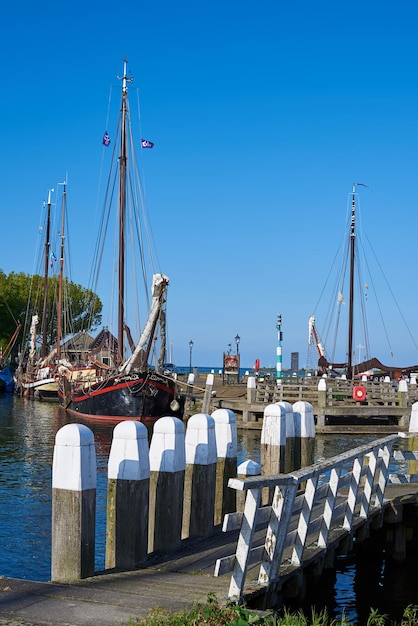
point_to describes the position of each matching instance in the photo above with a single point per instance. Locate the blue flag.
(106, 139)
(146, 144)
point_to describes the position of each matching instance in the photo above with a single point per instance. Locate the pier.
(384, 403)
(260, 546)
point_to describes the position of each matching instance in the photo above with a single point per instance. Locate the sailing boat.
(369, 366)
(119, 386)
(40, 378)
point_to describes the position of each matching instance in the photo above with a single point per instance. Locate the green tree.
(22, 295)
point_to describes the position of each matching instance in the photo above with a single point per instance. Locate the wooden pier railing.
(312, 511)
(331, 398)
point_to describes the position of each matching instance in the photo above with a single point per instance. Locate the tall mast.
(351, 302)
(47, 247)
(122, 210)
(59, 305)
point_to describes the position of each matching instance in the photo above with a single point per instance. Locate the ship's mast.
(122, 211)
(46, 261)
(61, 274)
(351, 301)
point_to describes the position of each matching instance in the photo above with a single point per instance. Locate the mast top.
(125, 78)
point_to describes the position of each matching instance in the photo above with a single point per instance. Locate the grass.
(213, 614)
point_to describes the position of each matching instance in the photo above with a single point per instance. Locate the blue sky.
(263, 115)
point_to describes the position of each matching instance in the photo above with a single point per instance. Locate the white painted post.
(289, 456)
(403, 394)
(304, 432)
(167, 469)
(208, 393)
(247, 415)
(127, 496)
(322, 401)
(73, 504)
(245, 469)
(226, 468)
(413, 422)
(200, 478)
(273, 444)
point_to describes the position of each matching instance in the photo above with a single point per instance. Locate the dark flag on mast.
(106, 139)
(146, 144)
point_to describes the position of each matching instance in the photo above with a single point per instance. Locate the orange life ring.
(359, 393)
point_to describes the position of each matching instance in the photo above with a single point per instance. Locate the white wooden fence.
(311, 507)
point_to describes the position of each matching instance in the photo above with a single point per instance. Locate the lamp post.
(191, 348)
(237, 340)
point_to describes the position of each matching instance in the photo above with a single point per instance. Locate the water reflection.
(27, 435)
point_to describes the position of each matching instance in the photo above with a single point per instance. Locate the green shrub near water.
(213, 614)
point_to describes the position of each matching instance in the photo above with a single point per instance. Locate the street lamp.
(191, 348)
(237, 339)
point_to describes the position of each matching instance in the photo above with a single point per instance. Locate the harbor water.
(27, 435)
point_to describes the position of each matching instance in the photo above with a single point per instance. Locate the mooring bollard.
(127, 496)
(208, 393)
(304, 434)
(403, 394)
(413, 421)
(226, 451)
(73, 504)
(167, 469)
(245, 469)
(247, 415)
(200, 478)
(289, 456)
(322, 401)
(273, 445)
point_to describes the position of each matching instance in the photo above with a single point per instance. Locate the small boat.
(351, 367)
(7, 383)
(7, 378)
(129, 382)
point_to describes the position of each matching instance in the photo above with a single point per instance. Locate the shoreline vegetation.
(214, 614)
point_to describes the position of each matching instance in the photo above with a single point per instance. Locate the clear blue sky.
(263, 114)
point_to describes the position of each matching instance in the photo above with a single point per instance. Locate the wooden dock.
(284, 528)
(262, 553)
(334, 407)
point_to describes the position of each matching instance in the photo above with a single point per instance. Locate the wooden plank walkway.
(174, 583)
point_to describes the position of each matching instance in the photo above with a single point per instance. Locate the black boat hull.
(144, 397)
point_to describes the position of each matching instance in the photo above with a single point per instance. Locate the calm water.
(27, 434)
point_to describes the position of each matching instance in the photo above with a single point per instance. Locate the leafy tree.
(22, 296)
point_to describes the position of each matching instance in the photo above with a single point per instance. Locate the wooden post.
(289, 456)
(403, 394)
(322, 401)
(273, 444)
(190, 399)
(128, 496)
(200, 478)
(245, 469)
(73, 504)
(247, 415)
(208, 394)
(167, 469)
(304, 432)
(413, 422)
(226, 451)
